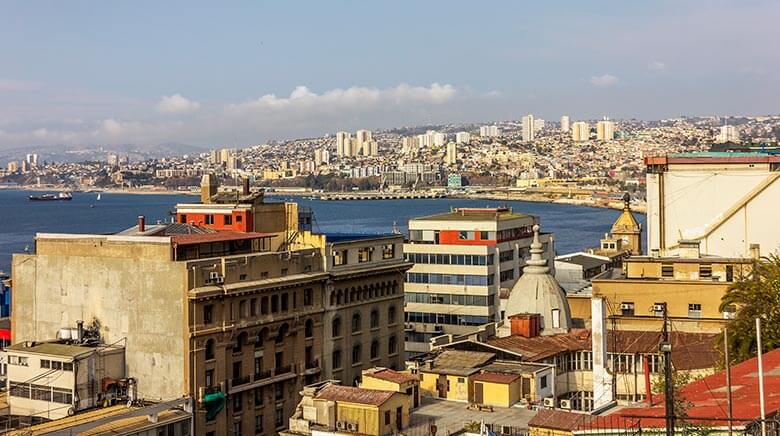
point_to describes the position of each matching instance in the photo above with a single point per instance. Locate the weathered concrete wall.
(134, 290)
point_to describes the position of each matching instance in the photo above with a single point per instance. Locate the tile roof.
(559, 420)
(493, 377)
(391, 376)
(457, 362)
(349, 394)
(689, 350)
(709, 399)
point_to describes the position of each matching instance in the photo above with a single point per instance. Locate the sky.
(242, 73)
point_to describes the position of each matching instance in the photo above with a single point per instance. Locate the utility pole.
(761, 377)
(666, 348)
(728, 375)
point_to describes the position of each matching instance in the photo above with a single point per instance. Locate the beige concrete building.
(221, 315)
(726, 200)
(462, 259)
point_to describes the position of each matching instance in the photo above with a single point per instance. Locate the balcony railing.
(282, 370)
(313, 364)
(262, 375)
(238, 381)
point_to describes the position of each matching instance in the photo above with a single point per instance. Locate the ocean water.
(575, 227)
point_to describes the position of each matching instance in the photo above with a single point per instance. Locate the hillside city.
(594, 161)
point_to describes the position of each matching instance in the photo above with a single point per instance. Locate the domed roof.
(538, 292)
(626, 221)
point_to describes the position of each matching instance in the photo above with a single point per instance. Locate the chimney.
(602, 379)
(80, 324)
(527, 325)
(245, 186)
(141, 223)
(755, 251)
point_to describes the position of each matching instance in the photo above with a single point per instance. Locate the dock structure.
(379, 196)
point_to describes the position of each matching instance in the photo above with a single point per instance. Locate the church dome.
(536, 291)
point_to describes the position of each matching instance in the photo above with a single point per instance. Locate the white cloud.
(176, 104)
(604, 80)
(657, 66)
(354, 97)
(11, 85)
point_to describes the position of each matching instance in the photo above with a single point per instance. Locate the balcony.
(312, 367)
(238, 381)
(282, 370)
(262, 375)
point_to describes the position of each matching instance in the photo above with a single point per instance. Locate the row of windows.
(506, 256)
(463, 300)
(362, 293)
(41, 392)
(209, 219)
(18, 360)
(450, 279)
(249, 308)
(448, 318)
(450, 259)
(55, 364)
(515, 233)
(628, 308)
(341, 257)
(357, 324)
(618, 363)
(508, 274)
(357, 352)
(705, 271)
(242, 340)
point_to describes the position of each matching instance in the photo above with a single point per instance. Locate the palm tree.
(756, 295)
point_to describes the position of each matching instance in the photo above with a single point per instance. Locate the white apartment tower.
(462, 259)
(362, 143)
(728, 134)
(462, 137)
(605, 130)
(489, 131)
(343, 144)
(452, 154)
(565, 124)
(528, 128)
(580, 131)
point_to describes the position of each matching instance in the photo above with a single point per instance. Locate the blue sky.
(194, 72)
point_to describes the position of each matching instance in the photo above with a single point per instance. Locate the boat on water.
(98, 197)
(62, 196)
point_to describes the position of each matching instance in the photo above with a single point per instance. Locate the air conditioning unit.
(549, 402)
(214, 277)
(352, 426)
(341, 425)
(408, 326)
(729, 315)
(565, 404)
(658, 308)
(626, 306)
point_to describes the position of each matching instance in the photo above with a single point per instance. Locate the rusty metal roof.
(349, 394)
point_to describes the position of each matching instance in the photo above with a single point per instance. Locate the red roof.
(5, 334)
(559, 420)
(709, 399)
(492, 377)
(391, 376)
(349, 394)
(200, 238)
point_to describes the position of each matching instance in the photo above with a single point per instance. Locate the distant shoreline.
(615, 205)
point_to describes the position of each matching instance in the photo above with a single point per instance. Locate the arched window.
(336, 359)
(392, 345)
(260, 341)
(241, 340)
(308, 329)
(336, 327)
(357, 352)
(282, 332)
(210, 345)
(391, 315)
(374, 349)
(355, 322)
(374, 319)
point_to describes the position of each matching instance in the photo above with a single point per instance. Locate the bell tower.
(627, 229)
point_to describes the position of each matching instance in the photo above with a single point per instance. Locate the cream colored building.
(462, 259)
(580, 131)
(728, 201)
(605, 130)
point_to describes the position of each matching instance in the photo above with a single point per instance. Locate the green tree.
(755, 295)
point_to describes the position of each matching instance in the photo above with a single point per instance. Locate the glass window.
(388, 251)
(209, 219)
(357, 354)
(336, 327)
(228, 220)
(355, 323)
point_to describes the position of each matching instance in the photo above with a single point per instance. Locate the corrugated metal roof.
(391, 376)
(492, 377)
(559, 420)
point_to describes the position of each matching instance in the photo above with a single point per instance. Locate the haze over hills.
(92, 152)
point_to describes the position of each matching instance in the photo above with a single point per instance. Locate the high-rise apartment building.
(32, 159)
(528, 128)
(237, 305)
(728, 134)
(321, 156)
(363, 140)
(580, 131)
(462, 259)
(565, 124)
(538, 124)
(343, 144)
(462, 138)
(605, 130)
(410, 144)
(452, 154)
(489, 131)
